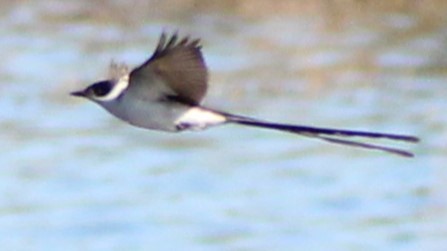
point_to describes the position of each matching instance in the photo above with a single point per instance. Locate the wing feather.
(179, 64)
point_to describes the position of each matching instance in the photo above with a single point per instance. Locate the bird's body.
(157, 116)
(165, 92)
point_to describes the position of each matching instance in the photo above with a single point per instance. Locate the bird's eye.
(102, 88)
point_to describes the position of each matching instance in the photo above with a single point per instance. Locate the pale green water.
(74, 178)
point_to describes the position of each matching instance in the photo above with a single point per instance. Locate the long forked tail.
(329, 134)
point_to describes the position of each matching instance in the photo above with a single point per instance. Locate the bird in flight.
(165, 93)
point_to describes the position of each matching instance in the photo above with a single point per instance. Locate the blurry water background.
(72, 177)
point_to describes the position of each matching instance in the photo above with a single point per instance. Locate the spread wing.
(179, 65)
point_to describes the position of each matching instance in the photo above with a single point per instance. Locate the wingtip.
(170, 40)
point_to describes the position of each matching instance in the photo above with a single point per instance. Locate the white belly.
(151, 115)
(163, 115)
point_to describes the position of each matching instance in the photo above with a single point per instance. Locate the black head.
(101, 89)
(96, 90)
